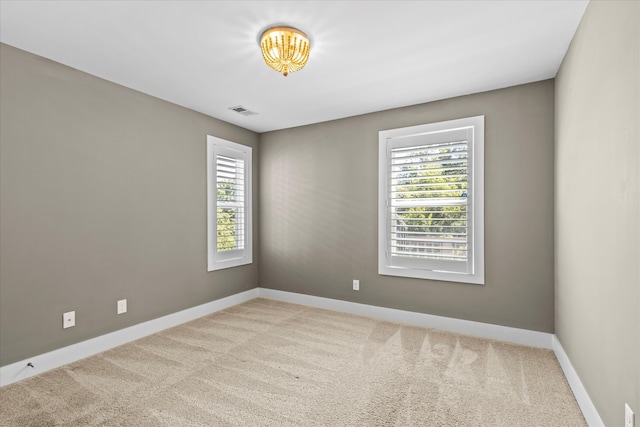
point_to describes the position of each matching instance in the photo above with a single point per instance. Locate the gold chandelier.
(285, 49)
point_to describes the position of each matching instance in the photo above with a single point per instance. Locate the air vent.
(241, 110)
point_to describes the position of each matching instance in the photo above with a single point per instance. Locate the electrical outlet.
(356, 285)
(122, 306)
(629, 420)
(68, 319)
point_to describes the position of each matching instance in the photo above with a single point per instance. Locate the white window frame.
(409, 136)
(218, 260)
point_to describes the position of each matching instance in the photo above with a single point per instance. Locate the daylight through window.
(229, 204)
(431, 201)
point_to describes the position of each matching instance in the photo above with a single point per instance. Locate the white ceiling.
(365, 55)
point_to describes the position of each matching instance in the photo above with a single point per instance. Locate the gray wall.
(318, 201)
(103, 197)
(597, 208)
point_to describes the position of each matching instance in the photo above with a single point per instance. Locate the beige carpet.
(271, 363)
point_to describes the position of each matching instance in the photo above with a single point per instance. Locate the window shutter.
(431, 201)
(229, 216)
(230, 203)
(428, 198)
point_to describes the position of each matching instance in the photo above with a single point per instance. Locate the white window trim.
(219, 260)
(476, 276)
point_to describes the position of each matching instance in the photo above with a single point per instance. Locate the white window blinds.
(230, 208)
(430, 192)
(229, 233)
(428, 205)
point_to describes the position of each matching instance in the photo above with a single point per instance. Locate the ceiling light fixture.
(285, 49)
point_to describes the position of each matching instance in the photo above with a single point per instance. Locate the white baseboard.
(44, 362)
(584, 401)
(467, 327)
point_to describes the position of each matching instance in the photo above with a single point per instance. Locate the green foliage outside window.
(227, 217)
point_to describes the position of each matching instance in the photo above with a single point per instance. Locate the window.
(229, 237)
(431, 214)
